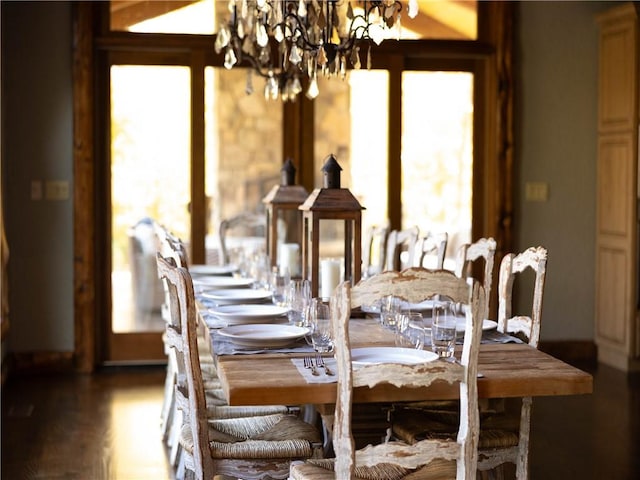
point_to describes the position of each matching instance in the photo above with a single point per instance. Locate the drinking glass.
(298, 299)
(259, 270)
(320, 325)
(409, 330)
(389, 310)
(278, 283)
(443, 329)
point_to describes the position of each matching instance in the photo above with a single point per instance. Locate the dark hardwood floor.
(106, 426)
(85, 427)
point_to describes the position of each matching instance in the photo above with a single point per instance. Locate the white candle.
(329, 276)
(288, 257)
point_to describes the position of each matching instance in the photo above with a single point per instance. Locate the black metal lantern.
(331, 203)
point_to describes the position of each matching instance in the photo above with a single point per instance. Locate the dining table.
(507, 368)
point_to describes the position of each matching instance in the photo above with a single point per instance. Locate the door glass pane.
(150, 179)
(437, 153)
(351, 122)
(243, 151)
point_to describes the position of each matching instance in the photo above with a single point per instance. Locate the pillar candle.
(289, 257)
(329, 276)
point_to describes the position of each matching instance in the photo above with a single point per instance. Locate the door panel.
(150, 181)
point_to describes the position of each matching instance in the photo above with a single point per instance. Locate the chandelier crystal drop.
(288, 41)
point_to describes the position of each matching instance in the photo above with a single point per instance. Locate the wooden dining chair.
(171, 417)
(431, 248)
(170, 246)
(253, 447)
(374, 249)
(504, 437)
(401, 247)
(429, 457)
(248, 222)
(483, 249)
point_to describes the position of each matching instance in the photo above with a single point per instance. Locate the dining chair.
(504, 437)
(253, 447)
(248, 221)
(171, 417)
(483, 249)
(374, 249)
(431, 249)
(430, 457)
(401, 247)
(168, 245)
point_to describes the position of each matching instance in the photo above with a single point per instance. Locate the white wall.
(556, 144)
(37, 145)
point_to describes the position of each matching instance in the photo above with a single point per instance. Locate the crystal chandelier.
(306, 38)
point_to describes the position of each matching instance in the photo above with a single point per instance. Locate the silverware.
(321, 364)
(308, 363)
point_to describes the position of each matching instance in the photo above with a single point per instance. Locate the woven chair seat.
(322, 469)
(497, 430)
(209, 371)
(264, 437)
(226, 411)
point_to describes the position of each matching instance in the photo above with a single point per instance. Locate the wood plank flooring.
(85, 427)
(106, 426)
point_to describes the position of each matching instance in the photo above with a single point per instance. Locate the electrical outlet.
(56, 189)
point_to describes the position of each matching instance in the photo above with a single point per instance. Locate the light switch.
(537, 191)
(56, 189)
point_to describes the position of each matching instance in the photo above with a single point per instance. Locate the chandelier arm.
(303, 32)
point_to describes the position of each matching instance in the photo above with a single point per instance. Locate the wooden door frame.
(494, 182)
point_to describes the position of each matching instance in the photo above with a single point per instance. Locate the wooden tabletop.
(508, 370)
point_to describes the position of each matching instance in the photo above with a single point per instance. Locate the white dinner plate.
(202, 269)
(256, 313)
(461, 325)
(229, 296)
(263, 335)
(405, 356)
(425, 306)
(216, 283)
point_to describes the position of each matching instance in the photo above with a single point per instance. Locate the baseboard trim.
(574, 352)
(41, 362)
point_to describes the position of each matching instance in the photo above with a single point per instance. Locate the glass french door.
(437, 155)
(150, 153)
(427, 181)
(176, 147)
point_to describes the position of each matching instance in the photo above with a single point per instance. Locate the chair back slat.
(374, 249)
(412, 285)
(535, 259)
(401, 247)
(469, 253)
(431, 250)
(247, 220)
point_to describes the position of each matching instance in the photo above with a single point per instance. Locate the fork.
(308, 363)
(321, 364)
